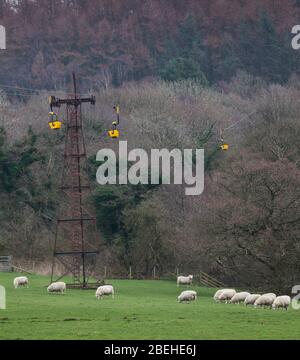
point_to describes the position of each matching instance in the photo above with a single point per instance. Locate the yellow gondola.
(224, 147)
(114, 133)
(54, 123)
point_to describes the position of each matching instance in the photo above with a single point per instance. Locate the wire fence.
(132, 273)
(199, 277)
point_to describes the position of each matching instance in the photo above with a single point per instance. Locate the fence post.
(154, 272)
(177, 272)
(105, 272)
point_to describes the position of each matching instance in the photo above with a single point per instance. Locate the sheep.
(188, 295)
(265, 300)
(21, 281)
(238, 297)
(226, 295)
(57, 287)
(185, 280)
(250, 299)
(281, 302)
(105, 290)
(217, 294)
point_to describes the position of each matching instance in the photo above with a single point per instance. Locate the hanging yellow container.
(114, 133)
(54, 123)
(225, 147)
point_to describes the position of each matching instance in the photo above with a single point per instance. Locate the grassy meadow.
(140, 310)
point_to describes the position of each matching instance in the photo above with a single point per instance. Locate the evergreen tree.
(183, 68)
(270, 52)
(257, 49)
(184, 50)
(15, 161)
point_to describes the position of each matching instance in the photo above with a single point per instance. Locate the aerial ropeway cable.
(224, 145)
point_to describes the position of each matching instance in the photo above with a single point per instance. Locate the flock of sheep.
(223, 295)
(266, 300)
(61, 286)
(233, 297)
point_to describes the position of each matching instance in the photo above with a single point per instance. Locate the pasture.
(141, 310)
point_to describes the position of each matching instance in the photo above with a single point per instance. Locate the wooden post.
(105, 272)
(154, 272)
(177, 272)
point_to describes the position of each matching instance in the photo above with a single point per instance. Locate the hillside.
(152, 146)
(113, 41)
(244, 228)
(186, 74)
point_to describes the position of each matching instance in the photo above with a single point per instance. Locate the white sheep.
(281, 302)
(57, 287)
(265, 300)
(105, 290)
(188, 295)
(239, 297)
(21, 281)
(250, 299)
(217, 294)
(226, 295)
(184, 280)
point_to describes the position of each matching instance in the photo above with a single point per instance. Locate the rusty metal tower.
(75, 224)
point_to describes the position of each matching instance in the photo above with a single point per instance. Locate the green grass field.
(140, 310)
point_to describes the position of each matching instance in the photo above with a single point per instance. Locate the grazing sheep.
(184, 280)
(265, 300)
(250, 299)
(226, 295)
(239, 297)
(105, 290)
(57, 287)
(188, 295)
(217, 294)
(281, 302)
(21, 281)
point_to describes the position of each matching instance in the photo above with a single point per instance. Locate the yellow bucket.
(54, 125)
(224, 147)
(114, 133)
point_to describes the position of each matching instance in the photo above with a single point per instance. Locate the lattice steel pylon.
(75, 223)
